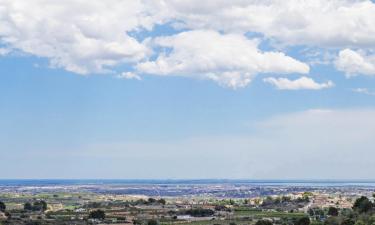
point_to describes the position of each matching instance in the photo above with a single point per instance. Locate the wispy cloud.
(302, 83)
(129, 76)
(318, 143)
(363, 91)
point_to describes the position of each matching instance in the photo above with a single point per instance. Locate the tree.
(151, 200)
(40, 206)
(162, 201)
(362, 205)
(27, 206)
(332, 221)
(152, 222)
(303, 221)
(97, 214)
(263, 222)
(285, 199)
(267, 201)
(347, 222)
(333, 211)
(2, 206)
(360, 222)
(200, 212)
(8, 215)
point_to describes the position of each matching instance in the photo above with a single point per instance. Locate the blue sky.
(164, 105)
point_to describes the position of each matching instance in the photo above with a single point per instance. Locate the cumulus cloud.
(298, 84)
(332, 23)
(231, 60)
(355, 62)
(79, 36)
(96, 36)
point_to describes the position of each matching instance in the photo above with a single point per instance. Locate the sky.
(172, 89)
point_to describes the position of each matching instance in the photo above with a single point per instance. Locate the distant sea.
(303, 183)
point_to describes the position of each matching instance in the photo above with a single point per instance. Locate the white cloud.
(298, 84)
(129, 75)
(355, 62)
(80, 36)
(4, 51)
(231, 60)
(363, 91)
(328, 23)
(96, 36)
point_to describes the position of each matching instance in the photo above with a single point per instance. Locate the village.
(92, 208)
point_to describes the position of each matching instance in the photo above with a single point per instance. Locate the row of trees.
(35, 206)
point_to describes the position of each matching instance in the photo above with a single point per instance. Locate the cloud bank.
(209, 40)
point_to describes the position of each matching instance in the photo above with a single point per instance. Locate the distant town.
(190, 202)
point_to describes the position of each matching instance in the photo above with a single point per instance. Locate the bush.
(303, 221)
(363, 205)
(200, 212)
(263, 222)
(97, 214)
(152, 222)
(2, 206)
(332, 211)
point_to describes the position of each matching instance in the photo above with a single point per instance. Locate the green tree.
(363, 205)
(27, 206)
(162, 201)
(151, 200)
(152, 222)
(40, 206)
(200, 212)
(360, 222)
(303, 221)
(2, 206)
(347, 222)
(333, 211)
(97, 214)
(332, 221)
(263, 222)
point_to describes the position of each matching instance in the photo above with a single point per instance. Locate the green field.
(211, 222)
(261, 214)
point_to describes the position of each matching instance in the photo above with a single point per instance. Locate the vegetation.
(2, 206)
(200, 212)
(97, 214)
(36, 206)
(363, 205)
(303, 221)
(152, 222)
(333, 211)
(263, 222)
